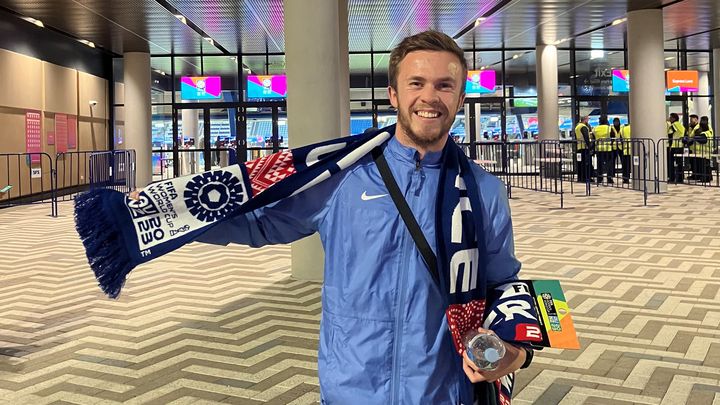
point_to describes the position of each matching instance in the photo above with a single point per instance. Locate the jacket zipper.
(401, 304)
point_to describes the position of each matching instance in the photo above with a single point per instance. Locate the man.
(384, 337)
(582, 138)
(604, 147)
(626, 152)
(689, 142)
(675, 164)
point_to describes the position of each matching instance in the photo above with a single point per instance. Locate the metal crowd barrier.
(531, 165)
(688, 162)
(113, 170)
(27, 178)
(556, 166)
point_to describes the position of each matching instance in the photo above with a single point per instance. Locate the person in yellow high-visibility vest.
(615, 136)
(676, 133)
(702, 145)
(584, 142)
(626, 152)
(604, 148)
(689, 142)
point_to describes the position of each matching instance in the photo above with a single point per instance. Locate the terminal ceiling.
(256, 26)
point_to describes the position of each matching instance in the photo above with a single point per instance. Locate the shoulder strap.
(406, 214)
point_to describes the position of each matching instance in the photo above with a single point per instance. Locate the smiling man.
(385, 335)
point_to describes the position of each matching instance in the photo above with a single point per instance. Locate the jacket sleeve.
(285, 221)
(501, 263)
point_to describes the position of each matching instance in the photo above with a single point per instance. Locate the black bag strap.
(406, 214)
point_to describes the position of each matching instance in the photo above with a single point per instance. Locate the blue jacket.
(384, 338)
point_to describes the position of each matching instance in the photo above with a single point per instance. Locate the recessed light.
(517, 55)
(670, 58)
(86, 42)
(34, 21)
(479, 20)
(619, 21)
(181, 18)
(210, 40)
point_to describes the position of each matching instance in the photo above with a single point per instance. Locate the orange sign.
(682, 80)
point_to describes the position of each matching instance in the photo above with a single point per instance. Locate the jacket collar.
(410, 155)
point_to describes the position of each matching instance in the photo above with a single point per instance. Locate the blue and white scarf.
(120, 233)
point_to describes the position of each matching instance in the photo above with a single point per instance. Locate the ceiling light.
(560, 41)
(597, 53)
(34, 21)
(210, 40)
(88, 43)
(670, 58)
(181, 18)
(666, 69)
(233, 58)
(517, 55)
(479, 20)
(619, 21)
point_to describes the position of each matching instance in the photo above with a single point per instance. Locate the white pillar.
(190, 131)
(702, 104)
(716, 88)
(138, 114)
(547, 91)
(647, 82)
(318, 105)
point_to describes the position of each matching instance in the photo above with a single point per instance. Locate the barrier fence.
(689, 161)
(550, 166)
(26, 178)
(33, 178)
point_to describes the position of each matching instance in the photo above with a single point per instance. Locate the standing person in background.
(702, 146)
(615, 136)
(604, 147)
(625, 152)
(582, 138)
(676, 132)
(689, 142)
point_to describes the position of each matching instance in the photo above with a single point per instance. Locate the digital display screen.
(200, 88)
(266, 86)
(682, 80)
(620, 81)
(480, 82)
(525, 102)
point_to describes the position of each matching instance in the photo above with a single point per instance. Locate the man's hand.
(512, 361)
(134, 195)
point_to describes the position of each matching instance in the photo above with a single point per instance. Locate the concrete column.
(318, 104)
(190, 130)
(702, 104)
(716, 88)
(138, 113)
(647, 91)
(547, 91)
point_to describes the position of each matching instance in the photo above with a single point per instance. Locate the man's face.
(693, 121)
(429, 93)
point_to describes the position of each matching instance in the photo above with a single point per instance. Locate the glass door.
(479, 122)
(266, 130)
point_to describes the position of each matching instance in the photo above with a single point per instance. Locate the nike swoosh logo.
(366, 197)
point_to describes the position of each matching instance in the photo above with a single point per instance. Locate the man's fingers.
(135, 195)
(471, 374)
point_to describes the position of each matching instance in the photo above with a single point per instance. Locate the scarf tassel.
(104, 245)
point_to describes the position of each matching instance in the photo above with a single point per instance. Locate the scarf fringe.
(102, 238)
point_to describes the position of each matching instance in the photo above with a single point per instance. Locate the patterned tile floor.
(227, 325)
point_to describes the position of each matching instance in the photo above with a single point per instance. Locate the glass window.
(594, 70)
(520, 74)
(481, 64)
(360, 86)
(382, 61)
(521, 122)
(223, 86)
(161, 82)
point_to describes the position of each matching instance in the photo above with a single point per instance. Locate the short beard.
(404, 121)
